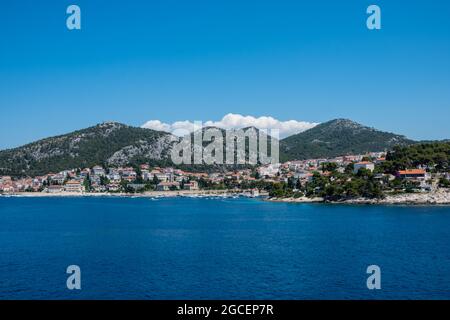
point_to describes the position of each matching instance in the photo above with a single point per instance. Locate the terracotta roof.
(72, 182)
(168, 184)
(412, 171)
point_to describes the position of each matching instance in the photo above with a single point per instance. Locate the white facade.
(363, 165)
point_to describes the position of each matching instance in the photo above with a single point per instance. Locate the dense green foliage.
(334, 187)
(95, 145)
(435, 155)
(79, 149)
(337, 138)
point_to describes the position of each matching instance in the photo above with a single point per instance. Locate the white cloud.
(233, 121)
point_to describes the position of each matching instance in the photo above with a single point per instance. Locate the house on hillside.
(412, 174)
(98, 171)
(363, 165)
(58, 178)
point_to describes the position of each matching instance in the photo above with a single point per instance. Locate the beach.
(149, 194)
(439, 197)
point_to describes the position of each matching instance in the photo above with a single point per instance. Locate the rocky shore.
(439, 197)
(297, 200)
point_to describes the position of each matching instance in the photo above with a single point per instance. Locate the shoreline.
(148, 194)
(440, 197)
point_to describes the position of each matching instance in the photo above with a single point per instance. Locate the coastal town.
(352, 178)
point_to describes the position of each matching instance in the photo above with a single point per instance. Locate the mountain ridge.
(117, 144)
(113, 143)
(339, 137)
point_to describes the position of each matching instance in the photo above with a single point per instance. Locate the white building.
(73, 186)
(270, 170)
(166, 186)
(364, 165)
(114, 177)
(98, 171)
(55, 189)
(193, 185)
(163, 177)
(113, 187)
(58, 178)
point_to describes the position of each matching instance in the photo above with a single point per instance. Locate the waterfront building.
(412, 174)
(166, 186)
(73, 186)
(55, 189)
(113, 187)
(193, 185)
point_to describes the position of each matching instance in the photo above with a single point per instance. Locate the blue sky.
(135, 61)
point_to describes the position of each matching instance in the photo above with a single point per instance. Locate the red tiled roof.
(73, 183)
(412, 171)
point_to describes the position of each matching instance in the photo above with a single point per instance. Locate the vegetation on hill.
(336, 138)
(108, 143)
(115, 144)
(434, 155)
(333, 187)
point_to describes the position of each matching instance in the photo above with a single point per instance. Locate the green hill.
(107, 143)
(336, 138)
(116, 144)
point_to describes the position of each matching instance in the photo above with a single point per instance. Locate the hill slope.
(336, 138)
(110, 142)
(116, 144)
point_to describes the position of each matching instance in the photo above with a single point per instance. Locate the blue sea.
(192, 248)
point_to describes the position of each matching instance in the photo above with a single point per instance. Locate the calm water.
(220, 249)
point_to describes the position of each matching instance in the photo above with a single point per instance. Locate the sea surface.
(192, 248)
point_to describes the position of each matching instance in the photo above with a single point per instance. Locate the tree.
(329, 166)
(290, 183)
(349, 168)
(104, 181)
(364, 173)
(87, 183)
(138, 179)
(444, 183)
